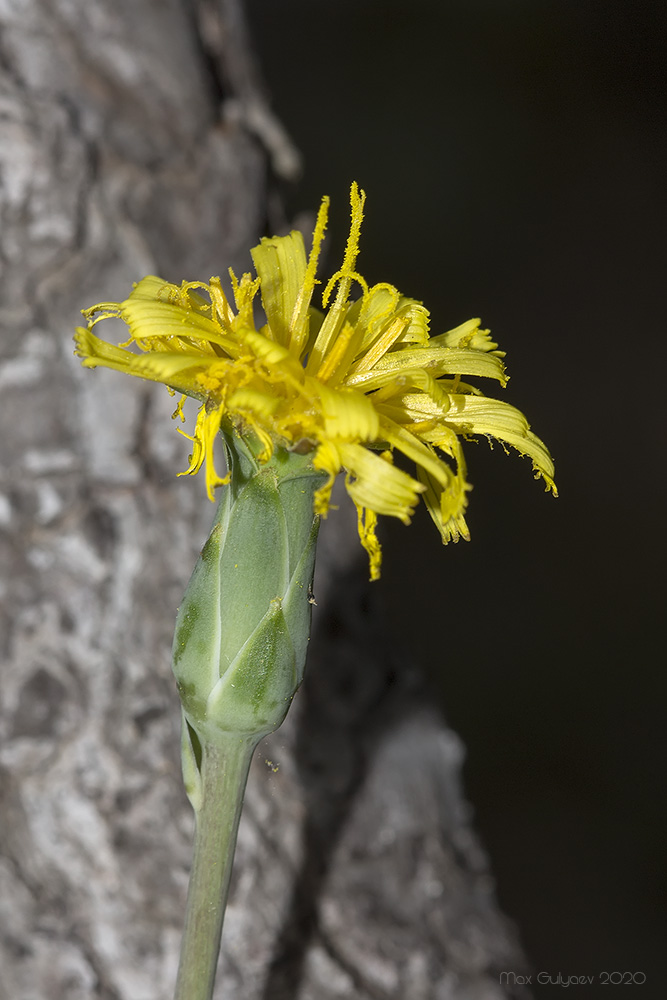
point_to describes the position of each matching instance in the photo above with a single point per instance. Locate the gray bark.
(135, 138)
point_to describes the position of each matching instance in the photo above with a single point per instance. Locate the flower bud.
(242, 628)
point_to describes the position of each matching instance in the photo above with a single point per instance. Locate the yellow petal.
(280, 263)
(506, 423)
(326, 459)
(417, 329)
(178, 371)
(491, 417)
(272, 355)
(244, 295)
(203, 441)
(446, 507)
(94, 351)
(259, 403)
(387, 339)
(374, 311)
(348, 415)
(468, 335)
(381, 306)
(377, 484)
(414, 449)
(156, 310)
(407, 381)
(437, 361)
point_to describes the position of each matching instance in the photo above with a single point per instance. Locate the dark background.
(513, 154)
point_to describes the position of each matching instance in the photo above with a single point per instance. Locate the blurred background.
(513, 153)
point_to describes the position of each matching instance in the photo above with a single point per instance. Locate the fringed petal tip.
(549, 484)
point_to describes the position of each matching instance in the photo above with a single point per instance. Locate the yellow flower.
(351, 384)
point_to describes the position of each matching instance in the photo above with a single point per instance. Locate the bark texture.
(134, 138)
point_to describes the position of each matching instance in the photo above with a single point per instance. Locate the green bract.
(242, 628)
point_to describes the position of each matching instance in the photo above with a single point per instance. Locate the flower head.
(352, 383)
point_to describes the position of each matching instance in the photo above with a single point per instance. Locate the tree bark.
(135, 138)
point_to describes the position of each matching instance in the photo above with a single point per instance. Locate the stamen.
(366, 524)
(381, 346)
(299, 321)
(336, 354)
(220, 304)
(178, 412)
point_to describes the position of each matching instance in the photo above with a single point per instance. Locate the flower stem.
(224, 772)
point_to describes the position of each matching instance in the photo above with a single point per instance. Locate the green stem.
(224, 772)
